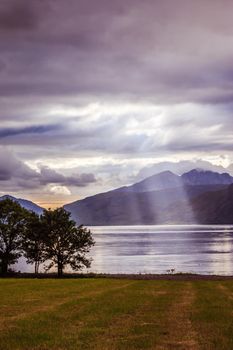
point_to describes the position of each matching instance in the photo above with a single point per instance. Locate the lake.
(156, 249)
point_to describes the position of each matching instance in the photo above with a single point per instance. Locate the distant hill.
(159, 199)
(25, 204)
(214, 207)
(132, 208)
(160, 181)
(167, 179)
(202, 177)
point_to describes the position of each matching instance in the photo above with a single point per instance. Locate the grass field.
(115, 314)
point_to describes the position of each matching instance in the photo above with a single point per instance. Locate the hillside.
(25, 204)
(214, 207)
(159, 199)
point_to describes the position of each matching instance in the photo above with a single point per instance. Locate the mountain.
(133, 208)
(214, 207)
(159, 199)
(25, 204)
(160, 181)
(201, 177)
(167, 179)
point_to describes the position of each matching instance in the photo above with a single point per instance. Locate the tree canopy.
(12, 225)
(66, 244)
(52, 238)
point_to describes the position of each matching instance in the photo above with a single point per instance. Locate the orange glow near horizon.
(50, 205)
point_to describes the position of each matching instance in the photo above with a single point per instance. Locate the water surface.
(156, 249)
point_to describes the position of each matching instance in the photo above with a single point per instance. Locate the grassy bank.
(115, 314)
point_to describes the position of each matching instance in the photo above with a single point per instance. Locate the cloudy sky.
(95, 94)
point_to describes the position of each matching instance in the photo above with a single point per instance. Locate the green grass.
(115, 314)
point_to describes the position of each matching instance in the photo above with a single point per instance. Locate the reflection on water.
(156, 249)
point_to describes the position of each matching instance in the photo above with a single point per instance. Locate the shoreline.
(159, 277)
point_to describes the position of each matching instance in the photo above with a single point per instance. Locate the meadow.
(105, 313)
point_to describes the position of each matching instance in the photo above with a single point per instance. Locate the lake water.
(157, 249)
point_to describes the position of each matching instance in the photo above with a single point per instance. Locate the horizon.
(96, 96)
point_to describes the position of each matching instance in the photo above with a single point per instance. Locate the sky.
(99, 94)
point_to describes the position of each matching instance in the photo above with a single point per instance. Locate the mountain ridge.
(135, 204)
(29, 205)
(168, 179)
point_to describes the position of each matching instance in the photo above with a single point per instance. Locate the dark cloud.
(17, 15)
(50, 176)
(166, 51)
(11, 166)
(16, 174)
(40, 129)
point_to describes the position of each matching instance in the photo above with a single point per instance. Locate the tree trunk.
(59, 269)
(37, 264)
(4, 267)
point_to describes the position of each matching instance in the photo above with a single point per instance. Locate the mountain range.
(198, 196)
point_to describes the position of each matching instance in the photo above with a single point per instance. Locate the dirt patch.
(227, 292)
(121, 328)
(179, 332)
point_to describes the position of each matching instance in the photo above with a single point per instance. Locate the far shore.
(168, 276)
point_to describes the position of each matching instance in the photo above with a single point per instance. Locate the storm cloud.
(166, 51)
(16, 176)
(93, 92)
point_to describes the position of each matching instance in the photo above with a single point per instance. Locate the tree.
(33, 243)
(12, 225)
(66, 244)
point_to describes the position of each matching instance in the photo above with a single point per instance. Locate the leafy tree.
(66, 244)
(12, 225)
(33, 243)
